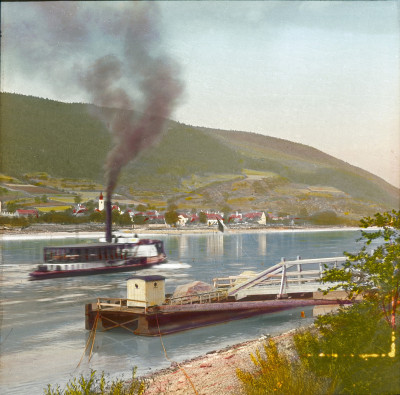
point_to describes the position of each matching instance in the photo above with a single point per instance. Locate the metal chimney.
(108, 220)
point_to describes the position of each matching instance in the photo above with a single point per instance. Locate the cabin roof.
(90, 245)
(153, 277)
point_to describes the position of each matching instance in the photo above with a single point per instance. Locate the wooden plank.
(116, 324)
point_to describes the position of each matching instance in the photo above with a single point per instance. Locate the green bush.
(351, 349)
(350, 352)
(94, 385)
(277, 374)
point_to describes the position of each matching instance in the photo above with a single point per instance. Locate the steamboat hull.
(139, 263)
(167, 319)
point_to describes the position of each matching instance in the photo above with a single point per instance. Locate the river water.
(43, 334)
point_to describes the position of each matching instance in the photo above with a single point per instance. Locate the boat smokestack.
(108, 220)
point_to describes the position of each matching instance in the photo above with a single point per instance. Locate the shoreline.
(55, 231)
(215, 371)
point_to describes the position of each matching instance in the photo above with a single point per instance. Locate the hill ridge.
(62, 139)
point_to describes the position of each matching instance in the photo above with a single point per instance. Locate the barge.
(99, 258)
(147, 312)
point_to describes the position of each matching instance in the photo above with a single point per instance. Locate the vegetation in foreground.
(346, 353)
(99, 386)
(276, 374)
(353, 351)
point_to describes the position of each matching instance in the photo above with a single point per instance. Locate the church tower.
(101, 202)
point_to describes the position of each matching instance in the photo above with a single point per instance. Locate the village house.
(79, 210)
(212, 218)
(182, 219)
(150, 217)
(235, 218)
(26, 213)
(255, 217)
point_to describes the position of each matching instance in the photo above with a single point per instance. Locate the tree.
(303, 213)
(226, 210)
(172, 207)
(98, 216)
(203, 218)
(328, 217)
(12, 206)
(90, 205)
(115, 216)
(376, 275)
(77, 199)
(125, 219)
(345, 339)
(141, 207)
(171, 217)
(139, 219)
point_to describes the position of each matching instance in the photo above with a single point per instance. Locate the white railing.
(206, 297)
(120, 303)
(300, 275)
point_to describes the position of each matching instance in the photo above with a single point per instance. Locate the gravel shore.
(213, 373)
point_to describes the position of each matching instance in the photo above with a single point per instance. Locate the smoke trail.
(110, 54)
(155, 75)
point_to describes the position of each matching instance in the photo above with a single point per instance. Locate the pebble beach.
(215, 372)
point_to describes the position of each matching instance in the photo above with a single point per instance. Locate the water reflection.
(215, 244)
(183, 245)
(239, 246)
(262, 244)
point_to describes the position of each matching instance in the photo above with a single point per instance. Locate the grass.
(5, 178)
(258, 173)
(197, 181)
(62, 199)
(93, 384)
(240, 200)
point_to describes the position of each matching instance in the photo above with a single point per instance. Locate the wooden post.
(299, 269)
(283, 281)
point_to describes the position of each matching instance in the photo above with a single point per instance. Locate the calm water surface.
(42, 322)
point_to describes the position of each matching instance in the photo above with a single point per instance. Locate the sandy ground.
(213, 373)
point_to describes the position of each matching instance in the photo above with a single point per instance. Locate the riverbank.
(215, 372)
(59, 231)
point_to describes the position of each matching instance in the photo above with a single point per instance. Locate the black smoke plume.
(156, 78)
(129, 72)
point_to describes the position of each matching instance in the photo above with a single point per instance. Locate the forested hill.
(64, 140)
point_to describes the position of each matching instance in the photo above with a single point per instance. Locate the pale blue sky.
(325, 74)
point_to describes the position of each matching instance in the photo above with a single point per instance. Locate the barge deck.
(108, 314)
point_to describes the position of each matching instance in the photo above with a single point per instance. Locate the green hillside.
(49, 136)
(306, 165)
(193, 166)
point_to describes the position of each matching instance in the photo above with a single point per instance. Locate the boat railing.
(206, 297)
(116, 303)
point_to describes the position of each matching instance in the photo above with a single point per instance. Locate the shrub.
(94, 385)
(340, 348)
(277, 374)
